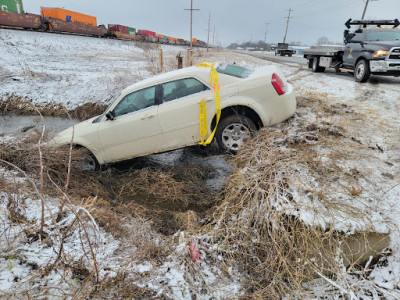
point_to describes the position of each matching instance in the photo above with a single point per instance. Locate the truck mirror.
(350, 36)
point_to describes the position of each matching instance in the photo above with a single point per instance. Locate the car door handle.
(147, 117)
(209, 99)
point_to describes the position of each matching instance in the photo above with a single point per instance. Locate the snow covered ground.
(49, 69)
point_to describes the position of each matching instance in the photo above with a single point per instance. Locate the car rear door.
(135, 130)
(179, 112)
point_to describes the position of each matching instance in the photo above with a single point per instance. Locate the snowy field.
(349, 130)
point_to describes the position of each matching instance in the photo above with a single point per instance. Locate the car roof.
(198, 72)
(201, 73)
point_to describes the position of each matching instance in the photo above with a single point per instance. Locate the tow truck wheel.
(315, 66)
(362, 71)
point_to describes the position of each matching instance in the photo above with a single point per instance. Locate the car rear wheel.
(362, 71)
(233, 131)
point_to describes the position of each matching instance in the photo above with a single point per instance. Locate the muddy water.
(19, 126)
(194, 156)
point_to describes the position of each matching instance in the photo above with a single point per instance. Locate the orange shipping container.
(67, 15)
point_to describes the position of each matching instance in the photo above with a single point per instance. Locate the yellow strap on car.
(203, 122)
(203, 110)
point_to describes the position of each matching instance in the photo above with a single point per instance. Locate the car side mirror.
(110, 115)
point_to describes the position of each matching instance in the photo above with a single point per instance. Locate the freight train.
(65, 21)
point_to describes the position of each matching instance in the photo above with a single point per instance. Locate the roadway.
(297, 59)
(302, 63)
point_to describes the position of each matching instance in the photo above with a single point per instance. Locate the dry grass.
(23, 106)
(160, 194)
(256, 226)
(256, 234)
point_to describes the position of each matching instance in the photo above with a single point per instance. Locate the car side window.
(136, 101)
(182, 88)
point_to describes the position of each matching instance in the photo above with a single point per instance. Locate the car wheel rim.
(234, 135)
(89, 164)
(360, 71)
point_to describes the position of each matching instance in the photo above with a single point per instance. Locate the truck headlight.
(380, 53)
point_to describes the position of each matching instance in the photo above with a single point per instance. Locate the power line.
(191, 22)
(287, 24)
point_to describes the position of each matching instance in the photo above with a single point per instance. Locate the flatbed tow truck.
(365, 51)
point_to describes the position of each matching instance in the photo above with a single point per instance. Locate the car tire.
(310, 63)
(233, 131)
(89, 162)
(362, 71)
(315, 66)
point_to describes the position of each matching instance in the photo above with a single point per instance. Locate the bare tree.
(323, 40)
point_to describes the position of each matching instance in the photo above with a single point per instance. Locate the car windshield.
(382, 35)
(234, 70)
(107, 109)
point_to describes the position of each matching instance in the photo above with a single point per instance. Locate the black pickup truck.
(283, 50)
(373, 48)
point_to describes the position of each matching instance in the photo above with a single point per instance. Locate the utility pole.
(191, 22)
(287, 24)
(265, 36)
(365, 8)
(208, 36)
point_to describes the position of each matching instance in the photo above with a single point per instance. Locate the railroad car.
(60, 20)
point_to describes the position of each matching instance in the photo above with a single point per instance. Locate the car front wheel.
(88, 161)
(233, 131)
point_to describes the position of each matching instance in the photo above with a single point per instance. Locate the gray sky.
(234, 20)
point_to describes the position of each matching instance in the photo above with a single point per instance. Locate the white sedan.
(162, 113)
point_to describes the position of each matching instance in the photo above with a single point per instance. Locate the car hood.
(65, 136)
(385, 45)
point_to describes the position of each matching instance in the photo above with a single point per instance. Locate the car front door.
(135, 129)
(179, 112)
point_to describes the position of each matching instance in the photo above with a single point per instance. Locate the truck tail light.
(280, 87)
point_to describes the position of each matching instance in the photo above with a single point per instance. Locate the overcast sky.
(234, 20)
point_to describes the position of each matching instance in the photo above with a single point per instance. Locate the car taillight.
(279, 85)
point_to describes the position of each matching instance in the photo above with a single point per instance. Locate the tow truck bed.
(323, 51)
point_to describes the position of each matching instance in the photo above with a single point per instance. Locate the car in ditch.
(163, 113)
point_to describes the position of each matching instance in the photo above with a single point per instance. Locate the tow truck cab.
(374, 48)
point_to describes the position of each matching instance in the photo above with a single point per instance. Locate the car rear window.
(234, 70)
